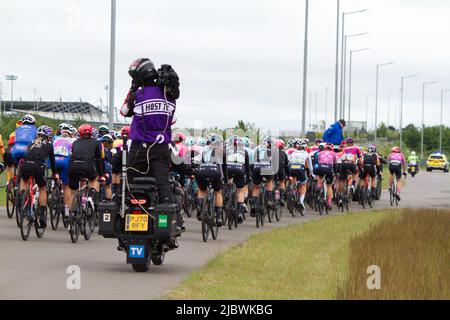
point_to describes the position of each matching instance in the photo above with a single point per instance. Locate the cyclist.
(25, 134)
(38, 152)
(213, 167)
(349, 159)
(85, 163)
(107, 142)
(326, 161)
(117, 153)
(299, 166)
(180, 157)
(152, 107)
(397, 162)
(62, 146)
(283, 170)
(369, 167)
(8, 160)
(265, 156)
(413, 160)
(102, 130)
(238, 166)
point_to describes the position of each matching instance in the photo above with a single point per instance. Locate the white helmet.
(28, 119)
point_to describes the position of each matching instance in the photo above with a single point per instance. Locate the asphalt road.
(36, 269)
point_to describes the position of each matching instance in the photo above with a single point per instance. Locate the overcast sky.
(236, 59)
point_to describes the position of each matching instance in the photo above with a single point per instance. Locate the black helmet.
(142, 69)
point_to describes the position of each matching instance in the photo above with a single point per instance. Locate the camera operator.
(151, 103)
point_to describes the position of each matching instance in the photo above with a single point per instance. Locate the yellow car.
(437, 161)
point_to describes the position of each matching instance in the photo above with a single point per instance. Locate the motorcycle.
(413, 168)
(145, 229)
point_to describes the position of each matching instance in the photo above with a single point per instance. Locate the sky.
(237, 60)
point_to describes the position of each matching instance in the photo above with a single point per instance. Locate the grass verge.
(304, 261)
(411, 249)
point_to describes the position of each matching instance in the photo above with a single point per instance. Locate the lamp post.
(376, 96)
(367, 111)
(112, 65)
(442, 111)
(336, 80)
(389, 109)
(326, 106)
(424, 85)
(12, 78)
(350, 83)
(401, 105)
(344, 71)
(305, 69)
(344, 14)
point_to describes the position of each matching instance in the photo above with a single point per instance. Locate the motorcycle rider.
(413, 160)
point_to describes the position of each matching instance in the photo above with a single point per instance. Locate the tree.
(412, 137)
(382, 131)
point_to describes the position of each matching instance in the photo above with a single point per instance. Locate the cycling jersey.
(152, 115)
(213, 167)
(396, 159)
(238, 166)
(40, 151)
(326, 157)
(298, 160)
(413, 159)
(63, 149)
(351, 154)
(290, 151)
(25, 134)
(88, 150)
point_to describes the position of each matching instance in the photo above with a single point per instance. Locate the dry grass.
(413, 252)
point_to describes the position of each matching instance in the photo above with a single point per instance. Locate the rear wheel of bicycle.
(23, 213)
(320, 206)
(391, 198)
(213, 224)
(205, 225)
(10, 200)
(74, 226)
(88, 222)
(55, 208)
(278, 213)
(39, 230)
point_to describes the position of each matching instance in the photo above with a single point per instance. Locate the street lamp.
(401, 106)
(350, 83)
(367, 111)
(423, 114)
(112, 64)
(344, 71)
(344, 14)
(305, 69)
(336, 80)
(12, 78)
(376, 96)
(442, 110)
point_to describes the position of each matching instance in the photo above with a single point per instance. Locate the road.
(36, 269)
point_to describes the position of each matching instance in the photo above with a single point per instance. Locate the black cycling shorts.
(299, 174)
(78, 170)
(257, 177)
(347, 168)
(30, 168)
(238, 176)
(8, 159)
(325, 171)
(396, 169)
(215, 176)
(369, 170)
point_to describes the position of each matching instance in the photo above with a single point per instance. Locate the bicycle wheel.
(23, 214)
(39, 230)
(74, 226)
(320, 207)
(391, 198)
(88, 222)
(10, 199)
(55, 208)
(362, 198)
(278, 213)
(290, 203)
(17, 204)
(213, 225)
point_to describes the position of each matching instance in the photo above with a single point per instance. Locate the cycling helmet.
(63, 125)
(280, 144)
(350, 141)
(94, 133)
(201, 141)
(73, 130)
(85, 130)
(28, 119)
(106, 138)
(319, 141)
(214, 140)
(103, 130)
(372, 148)
(303, 145)
(268, 141)
(235, 141)
(413, 153)
(126, 130)
(330, 146)
(18, 123)
(45, 131)
(322, 146)
(142, 69)
(395, 150)
(190, 141)
(337, 149)
(179, 137)
(66, 128)
(246, 142)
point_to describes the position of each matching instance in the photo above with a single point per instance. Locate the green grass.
(304, 261)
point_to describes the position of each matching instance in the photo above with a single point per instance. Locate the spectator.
(334, 134)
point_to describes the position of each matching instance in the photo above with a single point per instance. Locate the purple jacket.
(152, 117)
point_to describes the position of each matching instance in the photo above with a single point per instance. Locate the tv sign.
(136, 252)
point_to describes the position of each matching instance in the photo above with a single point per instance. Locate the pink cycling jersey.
(397, 158)
(290, 151)
(182, 150)
(326, 157)
(353, 150)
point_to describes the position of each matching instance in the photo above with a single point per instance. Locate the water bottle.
(277, 195)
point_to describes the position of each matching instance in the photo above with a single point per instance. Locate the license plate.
(136, 222)
(296, 167)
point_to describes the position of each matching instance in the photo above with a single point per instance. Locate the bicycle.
(208, 215)
(321, 200)
(189, 197)
(56, 204)
(393, 196)
(29, 205)
(81, 219)
(231, 218)
(10, 197)
(277, 207)
(261, 205)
